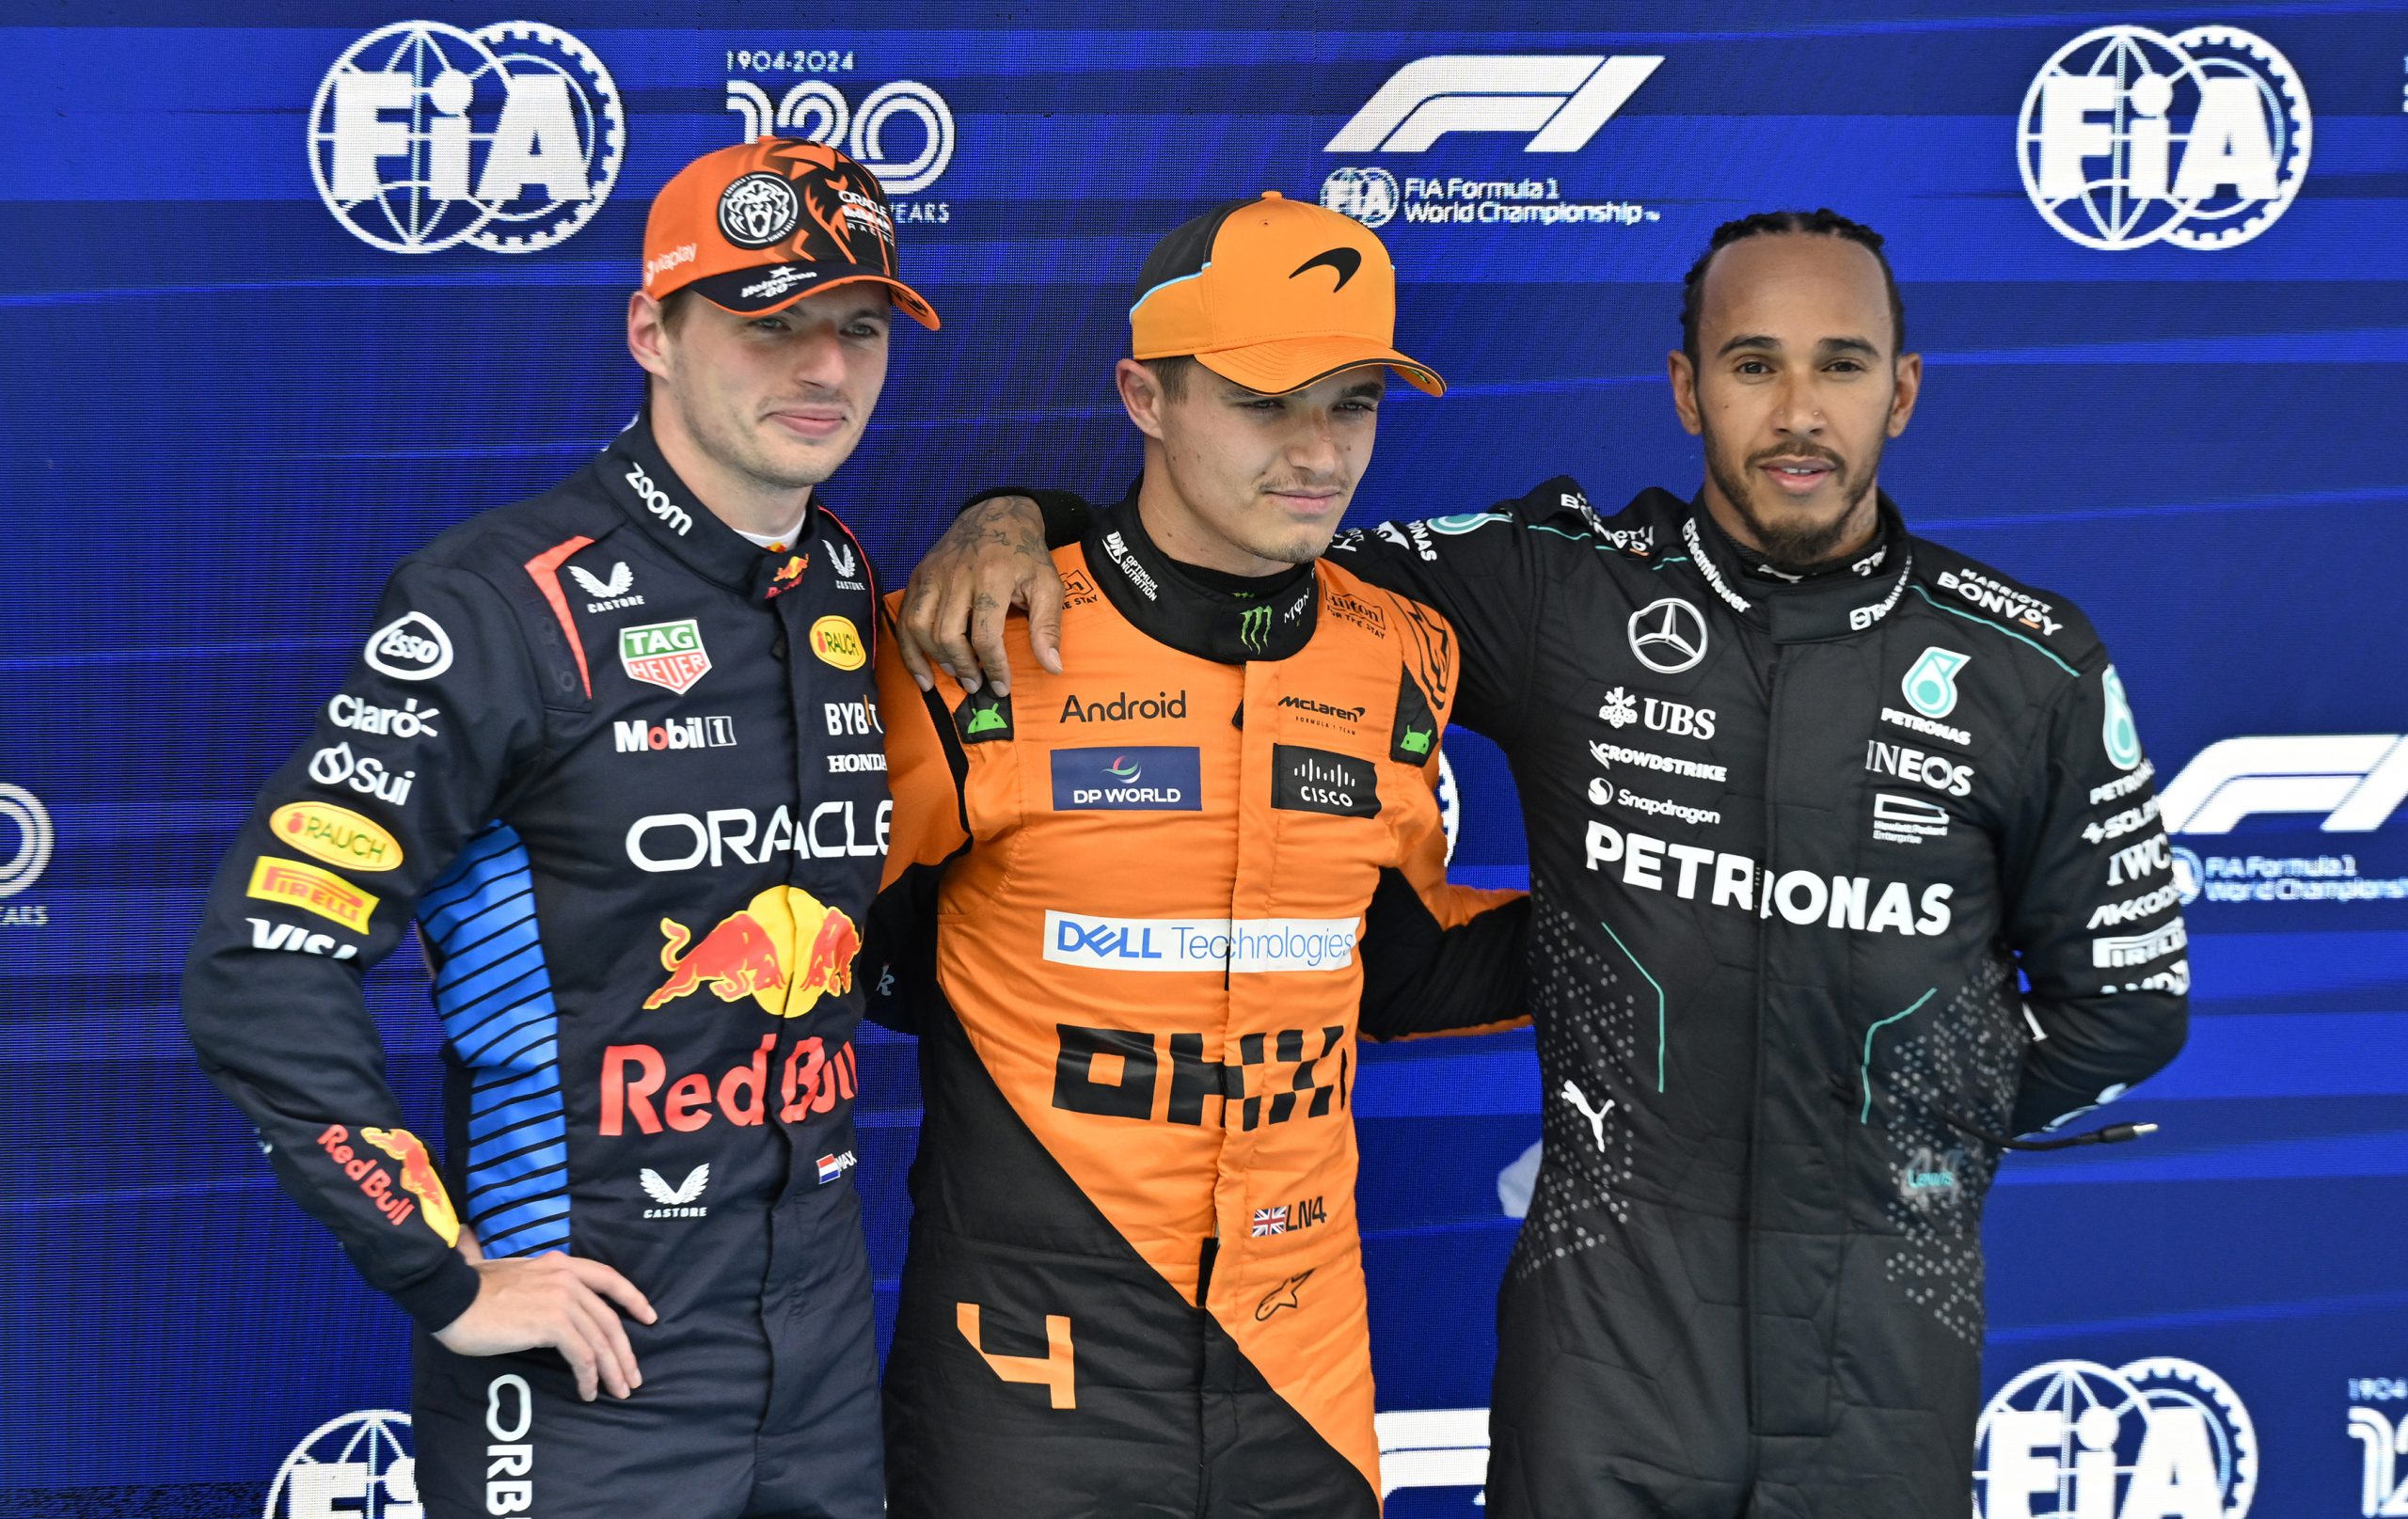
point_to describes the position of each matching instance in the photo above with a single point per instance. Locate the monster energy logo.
(1253, 628)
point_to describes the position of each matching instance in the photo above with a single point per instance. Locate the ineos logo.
(1668, 636)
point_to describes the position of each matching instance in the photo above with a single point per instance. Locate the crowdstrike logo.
(507, 139)
(2199, 139)
(1561, 100)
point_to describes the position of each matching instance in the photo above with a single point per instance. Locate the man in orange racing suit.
(1161, 891)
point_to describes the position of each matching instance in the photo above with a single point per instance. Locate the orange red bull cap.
(759, 226)
(1273, 294)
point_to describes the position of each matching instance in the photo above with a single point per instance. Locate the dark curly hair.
(1824, 221)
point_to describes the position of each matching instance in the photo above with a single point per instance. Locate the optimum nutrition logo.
(507, 139)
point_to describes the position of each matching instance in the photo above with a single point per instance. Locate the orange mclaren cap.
(758, 226)
(1274, 294)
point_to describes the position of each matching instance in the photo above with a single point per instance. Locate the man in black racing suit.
(1845, 868)
(623, 767)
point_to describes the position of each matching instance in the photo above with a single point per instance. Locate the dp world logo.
(358, 1464)
(507, 139)
(2155, 1439)
(2199, 139)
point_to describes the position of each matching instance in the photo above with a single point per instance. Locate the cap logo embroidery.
(1342, 260)
(757, 210)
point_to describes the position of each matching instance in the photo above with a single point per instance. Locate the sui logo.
(2199, 139)
(2155, 1439)
(358, 1464)
(507, 139)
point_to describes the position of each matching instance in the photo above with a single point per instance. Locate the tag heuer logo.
(669, 655)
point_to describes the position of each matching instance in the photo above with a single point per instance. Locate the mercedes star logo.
(1668, 636)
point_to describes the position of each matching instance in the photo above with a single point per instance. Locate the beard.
(1793, 540)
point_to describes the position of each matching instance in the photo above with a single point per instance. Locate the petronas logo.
(1930, 687)
(1254, 628)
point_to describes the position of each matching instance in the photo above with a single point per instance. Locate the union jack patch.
(1269, 1221)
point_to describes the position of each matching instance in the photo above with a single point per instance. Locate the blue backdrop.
(2156, 271)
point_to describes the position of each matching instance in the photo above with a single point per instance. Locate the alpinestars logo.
(1559, 101)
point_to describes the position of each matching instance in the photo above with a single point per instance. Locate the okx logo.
(507, 139)
(2129, 137)
(2156, 1439)
(1557, 100)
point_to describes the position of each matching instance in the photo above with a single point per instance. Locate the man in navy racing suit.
(616, 750)
(1846, 867)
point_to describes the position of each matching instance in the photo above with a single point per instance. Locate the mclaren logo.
(1558, 100)
(1344, 262)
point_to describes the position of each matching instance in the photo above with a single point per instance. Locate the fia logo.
(2155, 1439)
(359, 1464)
(816, 111)
(507, 139)
(1371, 195)
(2129, 137)
(1558, 100)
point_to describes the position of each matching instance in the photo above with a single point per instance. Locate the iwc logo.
(507, 139)
(759, 210)
(2155, 1439)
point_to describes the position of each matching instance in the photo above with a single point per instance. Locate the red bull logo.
(785, 949)
(419, 1176)
(639, 1094)
(789, 574)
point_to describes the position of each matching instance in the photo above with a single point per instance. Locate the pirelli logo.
(312, 890)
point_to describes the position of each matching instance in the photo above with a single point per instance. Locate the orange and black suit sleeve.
(928, 775)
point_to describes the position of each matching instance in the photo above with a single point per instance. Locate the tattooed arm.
(992, 559)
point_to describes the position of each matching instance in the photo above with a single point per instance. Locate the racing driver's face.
(778, 401)
(1796, 387)
(1257, 482)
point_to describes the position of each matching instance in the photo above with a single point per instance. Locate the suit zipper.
(1756, 1096)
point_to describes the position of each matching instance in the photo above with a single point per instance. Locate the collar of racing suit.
(1155, 592)
(635, 475)
(1851, 599)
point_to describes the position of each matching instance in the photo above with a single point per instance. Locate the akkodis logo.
(360, 1464)
(785, 949)
(2155, 1439)
(507, 139)
(2199, 139)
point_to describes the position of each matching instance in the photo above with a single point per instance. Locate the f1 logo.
(1562, 99)
(2357, 781)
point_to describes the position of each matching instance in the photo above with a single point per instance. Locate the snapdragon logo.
(1220, 945)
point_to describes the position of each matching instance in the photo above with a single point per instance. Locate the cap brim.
(774, 287)
(1292, 363)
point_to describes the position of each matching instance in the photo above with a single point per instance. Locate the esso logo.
(2154, 1439)
(507, 139)
(359, 1465)
(2129, 137)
